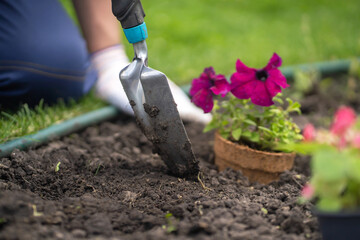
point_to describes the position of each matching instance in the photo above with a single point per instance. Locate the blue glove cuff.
(136, 34)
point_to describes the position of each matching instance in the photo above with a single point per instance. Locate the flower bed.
(105, 183)
(122, 190)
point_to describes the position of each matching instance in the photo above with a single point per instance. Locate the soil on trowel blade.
(105, 183)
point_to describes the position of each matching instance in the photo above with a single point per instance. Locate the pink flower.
(309, 132)
(203, 88)
(344, 118)
(356, 141)
(308, 191)
(341, 143)
(260, 85)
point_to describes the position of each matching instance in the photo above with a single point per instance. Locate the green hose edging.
(324, 68)
(109, 112)
(59, 130)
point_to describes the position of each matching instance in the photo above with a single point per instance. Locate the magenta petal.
(261, 96)
(356, 141)
(244, 91)
(241, 78)
(308, 191)
(221, 86)
(274, 62)
(242, 84)
(309, 132)
(209, 72)
(203, 99)
(242, 68)
(272, 88)
(345, 117)
(199, 84)
(277, 77)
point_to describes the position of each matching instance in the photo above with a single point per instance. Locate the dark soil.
(320, 102)
(110, 185)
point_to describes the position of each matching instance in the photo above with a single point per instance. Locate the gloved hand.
(109, 63)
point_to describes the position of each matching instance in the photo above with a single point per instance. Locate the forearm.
(99, 26)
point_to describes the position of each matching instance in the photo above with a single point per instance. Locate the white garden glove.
(110, 61)
(188, 111)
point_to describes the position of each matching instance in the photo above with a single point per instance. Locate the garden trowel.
(150, 97)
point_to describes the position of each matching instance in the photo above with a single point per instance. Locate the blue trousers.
(42, 54)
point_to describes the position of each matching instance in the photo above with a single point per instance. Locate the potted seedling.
(250, 120)
(335, 180)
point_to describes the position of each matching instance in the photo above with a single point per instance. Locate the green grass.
(27, 121)
(188, 35)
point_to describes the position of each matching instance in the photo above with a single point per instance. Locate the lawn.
(186, 36)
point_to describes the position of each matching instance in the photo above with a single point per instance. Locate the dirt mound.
(105, 183)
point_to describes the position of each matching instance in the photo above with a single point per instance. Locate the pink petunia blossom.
(203, 88)
(341, 144)
(308, 191)
(309, 132)
(344, 118)
(356, 141)
(260, 85)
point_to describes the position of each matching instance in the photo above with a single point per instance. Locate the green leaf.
(250, 122)
(328, 164)
(279, 100)
(225, 122)
(57, 167)
(304, 147)
(325, 188)
(236, 134)
(275, 128)
(264, 210)
(265, 129)
(329, 204)
(275, 111)
(211, 125)
(225, 135)
(294, 107)
(353, 165)
(350, 197)
(283, 147)
(246, 133)
(255, 137)
(216, 105)
(289, 101)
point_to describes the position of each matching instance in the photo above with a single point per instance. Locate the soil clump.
(110, 185)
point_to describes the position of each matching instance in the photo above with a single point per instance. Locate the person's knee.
(30, 86)
(42, 54)
(66, 76)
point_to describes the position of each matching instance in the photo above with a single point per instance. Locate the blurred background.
(185, 36)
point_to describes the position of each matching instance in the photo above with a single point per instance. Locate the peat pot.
(258, 166)
(339, 225)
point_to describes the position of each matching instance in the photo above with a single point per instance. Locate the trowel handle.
(131, 16)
